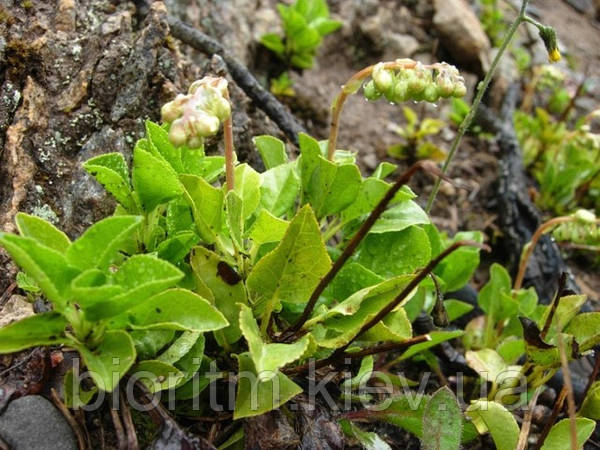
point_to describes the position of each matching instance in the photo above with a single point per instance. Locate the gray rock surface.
(461, 32)
(33, 423)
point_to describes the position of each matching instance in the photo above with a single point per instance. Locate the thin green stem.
(481, 88)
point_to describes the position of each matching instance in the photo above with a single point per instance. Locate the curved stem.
(349, 88)
(481, 88)
(528, 250)
(229, 152)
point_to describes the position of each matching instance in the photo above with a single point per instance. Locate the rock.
(33, 423)
(16, 308)
(403, 45)
(460, 28)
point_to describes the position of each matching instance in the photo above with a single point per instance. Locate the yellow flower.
(554, 55)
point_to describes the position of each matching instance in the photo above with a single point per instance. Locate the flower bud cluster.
(584, 230)
(198, 114)
(419, 82)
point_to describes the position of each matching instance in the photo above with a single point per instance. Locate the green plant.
(186, 254)
(415, 133)
(566, 163)
(305, 22)
(493, 20)
(283, 85)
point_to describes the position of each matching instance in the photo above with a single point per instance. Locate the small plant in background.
(415, 133)
(566, 163)
(305, 22)
(283, 86)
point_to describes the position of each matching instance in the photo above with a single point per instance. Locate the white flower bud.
(177, 133)
(382, 78)
(585, 216)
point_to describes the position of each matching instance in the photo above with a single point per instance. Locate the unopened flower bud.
(548, 35)
(460, 90)
(431, 93)
(371, 92)
(382, 77)
(177, 133)
(584, 216)
(173, 109)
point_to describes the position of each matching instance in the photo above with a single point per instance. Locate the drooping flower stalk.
(579, 228)
(398, 81)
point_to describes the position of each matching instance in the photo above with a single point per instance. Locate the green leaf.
(207, 206)
(190, 363)
(291, 271)
(350, 279)
(511, 350)
(495, 297)
(404, 411)
(40, 329)
(92, 286)
(75, 396)
(159, 140)
(27, 283)
(400, 217)
(225, 294)
(590, 407)
(267, 358)
(384, 169)
(368, 440)
(176, 309)
(247, 186)
(272, 150)
(495, 418)
(112, 172)
(273, 43)
(176, 248)
(279, 189)
(149, 342)
(179, 217)
(442, 420)
(42, 231)
(365, 371)
(141, 277)
(256, 396)
(154, 180)
(567, 308)
(180, 347)
(457, 268)
(267, 228)
(487, 363)
(110, 360)
(329, 187)
(235, 222)
(157, 375)
(342, 322)
(326, 26)
(397, 253)
(559, 437)
(208, 167)
(100, 243)
(48, 268)
(585, 328)
(456, 308)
